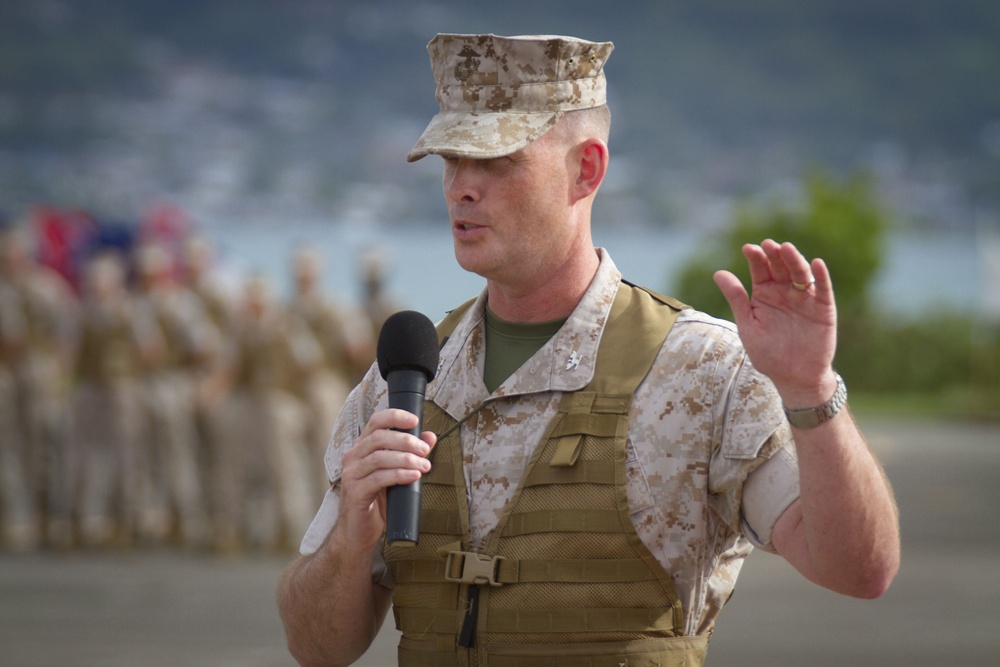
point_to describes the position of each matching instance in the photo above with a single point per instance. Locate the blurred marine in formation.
(260, 473)
(377, 302)
(117, 339)
(146, 401)
(37, 317)
(218, 303)
(173, 503)
(346, 346)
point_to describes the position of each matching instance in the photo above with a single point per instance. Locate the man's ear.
(592, 156)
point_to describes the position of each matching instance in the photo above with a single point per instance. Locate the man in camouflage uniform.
(218, 302)
(345, 339)
(378, 303)
(199, 277)
(708, 466)
(261, 474)
(117, 340)
(38, 349)
(18, 528)
(173, 500)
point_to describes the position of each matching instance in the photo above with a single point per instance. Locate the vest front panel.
(564, 579)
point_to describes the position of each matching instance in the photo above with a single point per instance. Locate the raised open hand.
(788, 321)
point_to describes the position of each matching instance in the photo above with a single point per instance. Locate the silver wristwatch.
(813, 417)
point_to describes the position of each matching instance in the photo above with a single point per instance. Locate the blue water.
(920, 271)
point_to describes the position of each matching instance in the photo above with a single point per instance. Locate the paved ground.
(160, 609)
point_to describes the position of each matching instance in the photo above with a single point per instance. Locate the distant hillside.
(253, 107)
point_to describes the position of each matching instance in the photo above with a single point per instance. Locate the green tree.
(841, 222)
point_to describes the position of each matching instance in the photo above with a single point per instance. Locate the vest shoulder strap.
(446, 326)
(662, 298)
(638, 325)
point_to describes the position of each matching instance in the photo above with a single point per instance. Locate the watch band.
(813, 417)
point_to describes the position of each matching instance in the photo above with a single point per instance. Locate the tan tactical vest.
(265, 361)
(108, 350)
(37, 301)
(564, 580)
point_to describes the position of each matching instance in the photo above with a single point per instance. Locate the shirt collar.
(565, 363)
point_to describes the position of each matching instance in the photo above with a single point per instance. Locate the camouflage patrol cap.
(498, 94)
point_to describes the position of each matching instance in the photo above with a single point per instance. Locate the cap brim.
(481, 135)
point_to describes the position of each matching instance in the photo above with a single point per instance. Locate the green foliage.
(928, 355)
(840, 222)
(950, 356)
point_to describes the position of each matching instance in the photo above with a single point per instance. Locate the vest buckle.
(466, 567)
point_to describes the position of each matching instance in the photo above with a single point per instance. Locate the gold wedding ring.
(802, 286)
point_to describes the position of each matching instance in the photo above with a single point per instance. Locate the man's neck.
(548, 298)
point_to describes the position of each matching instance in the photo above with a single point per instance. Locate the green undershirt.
(510, 344)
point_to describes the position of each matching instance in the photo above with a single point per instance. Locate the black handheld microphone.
(407, 359)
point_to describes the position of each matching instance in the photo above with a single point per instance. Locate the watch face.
(804, 419)
(812, 417)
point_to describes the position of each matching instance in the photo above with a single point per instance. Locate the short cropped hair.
(593, 122)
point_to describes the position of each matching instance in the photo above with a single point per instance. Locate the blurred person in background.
(173, 499)
(199, 275)
(378, 303)
(18, 523)
(261, 476)
(38, 348)
(345, 339)
(116, 341)
(218, 302)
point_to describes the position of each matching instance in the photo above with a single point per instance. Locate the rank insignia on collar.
(574, 361)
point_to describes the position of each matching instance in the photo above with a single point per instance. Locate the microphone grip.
(406, 392)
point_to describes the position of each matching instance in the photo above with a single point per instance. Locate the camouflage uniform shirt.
(700, 423)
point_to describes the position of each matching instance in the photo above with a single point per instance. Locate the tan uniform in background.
(38, 352)
(17, 520)
(173, 497)
(260, 479)
(345, 340)
(106, 457)
(219, 306)
(377, 303)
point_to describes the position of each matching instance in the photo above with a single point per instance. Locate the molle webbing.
(518, 601)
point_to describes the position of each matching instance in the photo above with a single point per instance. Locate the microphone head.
(408, 341)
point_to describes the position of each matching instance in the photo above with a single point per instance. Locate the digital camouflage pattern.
(498, 94)
(700, 423)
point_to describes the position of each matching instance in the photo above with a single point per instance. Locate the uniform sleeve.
(768, 491)
(321, 524)
(754, 439)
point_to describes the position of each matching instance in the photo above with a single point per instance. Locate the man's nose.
(461, 181)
